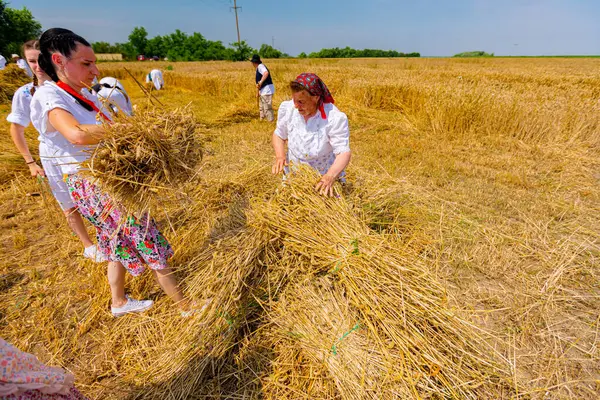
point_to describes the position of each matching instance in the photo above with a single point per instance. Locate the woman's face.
(31, 56)
(80, 68)
(305, 103)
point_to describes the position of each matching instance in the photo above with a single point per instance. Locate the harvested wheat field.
(461, 260)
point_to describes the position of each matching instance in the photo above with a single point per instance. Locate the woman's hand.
(36, 170)
(325, 185)
(280, 163)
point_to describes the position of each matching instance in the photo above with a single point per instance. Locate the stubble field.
(481, 175)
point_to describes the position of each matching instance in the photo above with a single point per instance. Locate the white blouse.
(115, 97)
(317, 141)
(269, 89)
(59, 149)
(19, 113)
(156, 77)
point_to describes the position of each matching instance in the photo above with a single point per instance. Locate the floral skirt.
(135, 243)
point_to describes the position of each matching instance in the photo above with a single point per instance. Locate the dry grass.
(11, 78)
(477, 179)
(146, 156)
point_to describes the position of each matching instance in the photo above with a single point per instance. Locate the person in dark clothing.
(264, 89)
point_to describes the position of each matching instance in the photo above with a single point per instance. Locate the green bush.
(474, 54)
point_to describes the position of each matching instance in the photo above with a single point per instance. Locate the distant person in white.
(156, 77)
(19, 119)
(265, 89)
(2, 62)
(22, 64)
(111, 91)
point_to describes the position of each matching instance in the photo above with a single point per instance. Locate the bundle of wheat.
(148, 154)
(11, 78)
(408, 340)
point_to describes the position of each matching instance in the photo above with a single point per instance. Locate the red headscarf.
(316, 87)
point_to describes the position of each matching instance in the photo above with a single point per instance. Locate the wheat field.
(482, 174)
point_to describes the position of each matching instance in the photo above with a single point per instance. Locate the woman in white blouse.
(315, 130)
(156, 77)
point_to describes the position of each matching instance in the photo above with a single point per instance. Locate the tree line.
(474, 54)
(19, 25)
(179, 46)
(348, 52)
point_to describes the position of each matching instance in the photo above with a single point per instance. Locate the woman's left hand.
(325, 185)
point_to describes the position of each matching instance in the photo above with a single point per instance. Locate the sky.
(430, 27)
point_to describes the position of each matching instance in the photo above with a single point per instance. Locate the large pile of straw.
(308, 302)
(153, 152)
(11, 78)
(377, 324)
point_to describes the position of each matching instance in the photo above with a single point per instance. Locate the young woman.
(66, 114)
(315, 130)
(20, 119)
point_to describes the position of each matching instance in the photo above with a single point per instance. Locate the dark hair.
(57, 40)
(31, 45)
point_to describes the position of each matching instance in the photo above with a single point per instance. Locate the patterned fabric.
(316, 87)
(23, 376)
(136, 243)
(37, 395)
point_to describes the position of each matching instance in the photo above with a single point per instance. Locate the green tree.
(139, 39)
(241, 51)
(348, 52)
(101, 47)
(267, 51)
(16, 27)
(474, 54)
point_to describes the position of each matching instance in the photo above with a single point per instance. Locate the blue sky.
(431, 27)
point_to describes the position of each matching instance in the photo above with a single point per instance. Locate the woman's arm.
(17, 133)
(325, 185)
(76, 133)
(279, 147)
(340, 164)
(264, 77)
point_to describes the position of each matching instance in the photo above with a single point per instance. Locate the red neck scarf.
(82, 100)
(316, 87)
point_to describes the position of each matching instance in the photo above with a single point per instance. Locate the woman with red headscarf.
(315, 130)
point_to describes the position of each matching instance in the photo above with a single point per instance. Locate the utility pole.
(237, 25)
(273, 41)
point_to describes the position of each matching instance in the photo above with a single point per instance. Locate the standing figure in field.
(24, 377)
(315, 130)
(2, 62)
(22, 64)
(112, 92)
(19, 119)
(156, 77)
(67, 115)
(264, 89)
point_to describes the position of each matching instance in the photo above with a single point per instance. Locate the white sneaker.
(94, 254)
(131, 306)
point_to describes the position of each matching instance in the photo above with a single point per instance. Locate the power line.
(237, 25)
